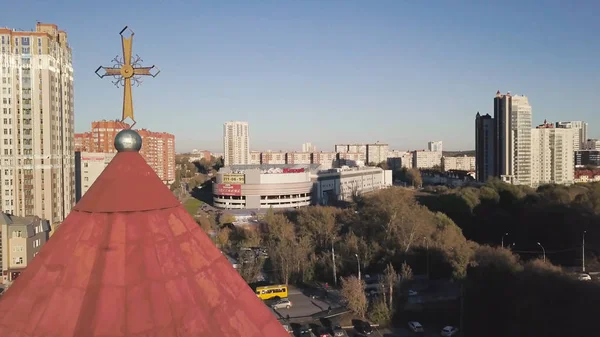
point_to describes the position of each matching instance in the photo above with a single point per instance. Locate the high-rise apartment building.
(553, 160)
(485, 152)
(158, 148)
(435, 146)
(580, 134)
(377, 153)
(236, 143)
(592, 144)
(37, 175)
(308, 147)
(512, 118)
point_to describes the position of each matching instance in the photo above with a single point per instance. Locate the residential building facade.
(580, 134)
(587, 158)
(158, 148)
(308, 147)
(463, 163)
(37, 139)
(426, 159)
(512, 119)
(88, 167)
(592, 144)
(435, 146)
(22, 238)
(376, 153)
(236, 143)
(552, 155)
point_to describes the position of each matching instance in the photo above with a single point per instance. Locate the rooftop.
(129, 261)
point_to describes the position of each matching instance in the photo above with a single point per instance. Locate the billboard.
(233, 178)
(229, 189)
(293, 170)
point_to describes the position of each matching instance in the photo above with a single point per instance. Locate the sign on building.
(229, 189)
(233, 179)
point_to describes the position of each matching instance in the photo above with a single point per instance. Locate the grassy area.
(191, 205)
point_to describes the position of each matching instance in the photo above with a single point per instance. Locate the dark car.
(305, 331)
(364, 328)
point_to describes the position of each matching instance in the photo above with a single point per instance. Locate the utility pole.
(358, 263)
(505, 234)
(333, 258)
(583, 253)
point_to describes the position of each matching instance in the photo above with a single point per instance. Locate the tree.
(390, 280)
(280, 240)
(353, 291)
(413, 176)
(251, 269)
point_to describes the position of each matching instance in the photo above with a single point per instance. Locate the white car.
(412, 292)
(449, 331)
(584, 277)
(283, 303)
(416, 326)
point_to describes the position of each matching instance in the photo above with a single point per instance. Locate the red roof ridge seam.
(125, 212)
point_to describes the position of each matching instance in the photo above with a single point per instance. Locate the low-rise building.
(463, 163)
(88, 166)
(293, 186)
(22, 238)
(586, 176)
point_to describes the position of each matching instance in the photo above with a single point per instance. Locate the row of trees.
(554, 215)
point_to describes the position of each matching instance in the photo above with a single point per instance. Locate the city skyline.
(258, 64)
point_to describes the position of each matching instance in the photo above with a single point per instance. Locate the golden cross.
(126, 72)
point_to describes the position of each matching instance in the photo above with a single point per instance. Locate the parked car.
(412, 292)
(288, 328)
(283, 303)
(416, 326)
(364, 328)
(584, 277)
(449, 331)
(323, 332)
(305, 331)
(339, 332)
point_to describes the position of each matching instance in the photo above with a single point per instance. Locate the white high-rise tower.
(37, 172)
(579, 134)
(236, 143)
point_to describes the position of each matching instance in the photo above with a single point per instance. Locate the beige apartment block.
(298, 158)
(236, 143)
(88, 167)
(21, 238)
(426, 159)
(462, 163)
(37, 175)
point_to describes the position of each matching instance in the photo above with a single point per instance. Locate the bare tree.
(353, 291)
(390, 280)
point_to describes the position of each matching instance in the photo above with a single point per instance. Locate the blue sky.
(402, 72)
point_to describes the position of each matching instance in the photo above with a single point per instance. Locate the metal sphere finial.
(128, 141)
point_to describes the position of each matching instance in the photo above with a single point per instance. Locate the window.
(25, 41)
(18, 260)
(17, 234)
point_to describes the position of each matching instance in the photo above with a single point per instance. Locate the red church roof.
(130, 261)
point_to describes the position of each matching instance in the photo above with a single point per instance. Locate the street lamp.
(505, 234)
(358, 263)
(543, 251)
(583, 252)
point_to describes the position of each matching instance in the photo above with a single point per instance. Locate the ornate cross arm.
(126, 72)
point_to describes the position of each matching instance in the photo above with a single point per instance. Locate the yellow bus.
(272, 291)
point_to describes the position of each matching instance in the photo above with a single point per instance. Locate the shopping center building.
(292, 186)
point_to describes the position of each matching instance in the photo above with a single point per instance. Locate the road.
(302, 306)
